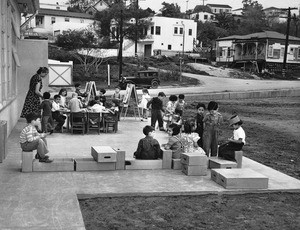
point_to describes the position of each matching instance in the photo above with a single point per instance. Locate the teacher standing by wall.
(32, 100)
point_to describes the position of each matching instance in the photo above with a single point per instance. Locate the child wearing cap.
(236, 142)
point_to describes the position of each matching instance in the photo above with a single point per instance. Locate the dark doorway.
(147, 51)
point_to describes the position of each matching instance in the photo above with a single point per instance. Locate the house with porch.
(265, 49)
(20, 59)
(220, 8)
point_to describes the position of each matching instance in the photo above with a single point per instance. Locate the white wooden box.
(104, 154)
(194, 170)
(194, 159)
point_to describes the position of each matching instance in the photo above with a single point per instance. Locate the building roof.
(261, 35)
(271, 8)
(63, 13)
(219, 5)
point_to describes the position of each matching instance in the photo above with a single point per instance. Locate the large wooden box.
(144, 164)
(58, 165)
(104, 154)
(120, 164)
(219, 163)
(176, 164)
(239, 178)
(194, 170)
(89, 164)
(194, 159)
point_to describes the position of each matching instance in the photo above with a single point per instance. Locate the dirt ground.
(272, 127)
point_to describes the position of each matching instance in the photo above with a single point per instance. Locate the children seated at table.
(102, 96)
(63, 95)
(148, 147)
(75, 104)
(31, 139)
(57, 114)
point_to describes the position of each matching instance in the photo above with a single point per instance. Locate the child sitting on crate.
(31, 140)
(148, 147)
(236, 142)
(174, 142)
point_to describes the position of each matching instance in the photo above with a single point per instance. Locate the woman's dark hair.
(147, 129)
(62, 90)
(42, 70)
(46, 95)
(32, 117)
(181, 96)
(188, 125)
(200, 105)
(212, 105)
(173, 98)
(175, 129)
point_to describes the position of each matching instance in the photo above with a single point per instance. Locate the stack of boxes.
(194, 164)
(104, 158)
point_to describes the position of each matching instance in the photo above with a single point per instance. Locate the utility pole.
(121, 42)
(136, 25)
(286, 40)
(204, 1)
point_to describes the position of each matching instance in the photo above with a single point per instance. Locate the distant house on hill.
(264, 48)
(202, 16)
(98, 7)
(219, 8)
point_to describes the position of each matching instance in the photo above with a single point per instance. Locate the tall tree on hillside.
(254, 17)
(208, 32)
(225, 21)
(171, 10)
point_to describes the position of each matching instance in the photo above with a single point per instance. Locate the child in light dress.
(143, 104)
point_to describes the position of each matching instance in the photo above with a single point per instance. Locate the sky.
(190, 4)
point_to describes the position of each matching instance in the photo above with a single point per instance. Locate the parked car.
(34, 35)
(146, 78)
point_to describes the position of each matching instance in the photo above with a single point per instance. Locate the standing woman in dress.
(32, 100)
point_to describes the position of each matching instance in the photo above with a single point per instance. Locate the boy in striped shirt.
(31, 139)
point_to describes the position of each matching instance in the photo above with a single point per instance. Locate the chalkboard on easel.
(130, 99)
(90, 89)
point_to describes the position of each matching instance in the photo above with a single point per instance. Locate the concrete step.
(89, 164)
(219, 163)
(58, 165)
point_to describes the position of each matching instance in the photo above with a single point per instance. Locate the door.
(147, 51)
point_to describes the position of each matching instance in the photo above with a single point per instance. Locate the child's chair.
(93, 121)
(111, 121)
(77, 122)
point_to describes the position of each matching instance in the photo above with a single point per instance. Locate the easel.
(90, 89)
(130, 99)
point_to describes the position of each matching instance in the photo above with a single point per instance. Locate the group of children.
(199, 133)
(33, 136)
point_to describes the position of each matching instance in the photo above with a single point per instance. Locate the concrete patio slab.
(49, 200)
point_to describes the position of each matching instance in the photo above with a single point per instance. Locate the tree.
(80, 5)
(225, 21)
(80, 44)
(171, 10)
(208, 32)
(254, 17)
(201, 8)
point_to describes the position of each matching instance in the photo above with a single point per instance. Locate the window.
(169, 47)
(282, 51)
(228, 52)
(298, 52)
(39, 21)
(175, 30)
(211, 17)
(181, 30)
(152, 29)
(52, 20)
(205, 16)
(58, 8)
(197, 16)
(67, 19)
(9, 60)
(270, 51)
(157, 30)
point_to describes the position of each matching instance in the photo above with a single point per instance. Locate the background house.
(219, 8)
(20, 59)
(203, 16)
(264, 48)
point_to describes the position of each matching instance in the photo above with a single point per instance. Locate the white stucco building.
(203, 16)
(165, 35)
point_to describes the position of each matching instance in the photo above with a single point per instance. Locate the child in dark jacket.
(156, 104)
(199, 122)
(148, 147)
(47, 120)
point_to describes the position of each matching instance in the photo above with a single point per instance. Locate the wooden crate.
(89, 164)
(120, 164)
(104, 154)
(176, 164)
(144, 164)
(194, 159)
(58, 165)
(27, 159)
(194, 170)
(239, 178)
(219, 163)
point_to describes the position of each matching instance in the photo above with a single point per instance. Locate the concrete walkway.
(49, 200)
